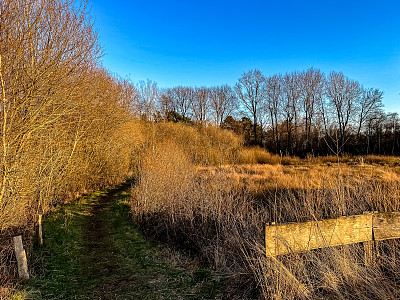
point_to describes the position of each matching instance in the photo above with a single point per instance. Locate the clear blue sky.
(214, 42)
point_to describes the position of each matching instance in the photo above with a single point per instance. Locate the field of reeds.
(217, 209)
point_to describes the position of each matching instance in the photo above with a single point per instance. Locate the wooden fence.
(300, 237)
(20, 253)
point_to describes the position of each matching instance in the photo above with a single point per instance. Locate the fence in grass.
(20, 253)
(299, 237)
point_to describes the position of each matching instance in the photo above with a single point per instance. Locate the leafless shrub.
(63, 119)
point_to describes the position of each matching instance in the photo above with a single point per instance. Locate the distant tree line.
(297, 113)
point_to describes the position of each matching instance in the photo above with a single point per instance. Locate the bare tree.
(222, 101)
(394, 126)
(370, 104)
(291, 98)
(311, 89)
(273, 97)
(375, 125)
(129, 96)
(166, 102)
(344, 98)
(148, 92)
(183, 99)
(250, 91)
(201, 104)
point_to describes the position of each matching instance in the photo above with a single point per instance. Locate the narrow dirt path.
(103, 249)
(93, 250)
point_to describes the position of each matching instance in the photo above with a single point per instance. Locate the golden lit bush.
(203, 145)
(257, 155)
(64, 121)
(196, 211)
(166, 179)
(169, 182)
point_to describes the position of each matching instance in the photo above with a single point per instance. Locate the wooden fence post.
(369, 253)
(40, 230)
(21, 258)
(369, 246)
(392, 245)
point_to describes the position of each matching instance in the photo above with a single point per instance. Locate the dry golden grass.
(219, 212)
(356, 160)
(257, 155)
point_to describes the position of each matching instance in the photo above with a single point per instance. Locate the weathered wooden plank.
(21, 258)
(386, 225)
(299, 237)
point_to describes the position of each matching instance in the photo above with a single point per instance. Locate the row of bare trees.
(297, 105)
(192, 104)
(295, 113)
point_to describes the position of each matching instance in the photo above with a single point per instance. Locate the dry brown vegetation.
(202, 145)
(63, 119)
(219, 212)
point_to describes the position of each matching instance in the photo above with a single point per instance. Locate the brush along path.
(93, 250)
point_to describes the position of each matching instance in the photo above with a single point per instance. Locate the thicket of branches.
(297, 113)
(62, 116)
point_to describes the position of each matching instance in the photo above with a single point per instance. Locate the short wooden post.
(40, 230)
(369, 247)
(21, 258)
(392, 244)
(368, 253)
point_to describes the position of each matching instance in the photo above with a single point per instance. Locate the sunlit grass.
(222, 211)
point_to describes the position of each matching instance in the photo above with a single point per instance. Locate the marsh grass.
(219, 214)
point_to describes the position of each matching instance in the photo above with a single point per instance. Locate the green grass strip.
(93, 250)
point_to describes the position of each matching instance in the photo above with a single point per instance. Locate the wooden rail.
(300, 237)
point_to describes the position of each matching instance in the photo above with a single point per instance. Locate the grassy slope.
(92, 250)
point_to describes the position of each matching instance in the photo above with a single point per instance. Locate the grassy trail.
(93, 250)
